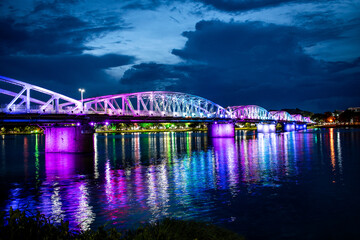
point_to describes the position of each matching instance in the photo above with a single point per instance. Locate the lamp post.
(81, 90)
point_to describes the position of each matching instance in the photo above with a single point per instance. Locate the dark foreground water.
(299, 185)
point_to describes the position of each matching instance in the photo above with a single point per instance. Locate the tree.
(349, 116)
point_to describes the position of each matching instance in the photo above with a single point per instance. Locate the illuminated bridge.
(29, 104)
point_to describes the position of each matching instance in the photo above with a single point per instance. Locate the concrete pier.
(266, 128)
(288, 127)
(221, 130)
(72, 139)
(301, 126)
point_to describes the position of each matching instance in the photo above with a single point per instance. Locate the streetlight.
(81, 90)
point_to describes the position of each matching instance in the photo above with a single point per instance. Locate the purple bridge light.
(137, 106)
(50, 107)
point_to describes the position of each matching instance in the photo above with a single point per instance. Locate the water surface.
(290, 185)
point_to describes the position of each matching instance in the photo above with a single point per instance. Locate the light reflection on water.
(137, 178)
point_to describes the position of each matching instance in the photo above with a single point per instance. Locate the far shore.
(139, 131)
(169, 130)
(336, 125)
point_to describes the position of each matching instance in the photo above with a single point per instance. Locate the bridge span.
(25, 103)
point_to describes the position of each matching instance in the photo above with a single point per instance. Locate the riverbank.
(153, 130)
(338, 125)
(24, 225)
(167, 130)
(137, 131)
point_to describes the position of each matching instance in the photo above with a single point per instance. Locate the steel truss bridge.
(32, 104)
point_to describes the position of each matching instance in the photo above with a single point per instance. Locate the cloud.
(145, 74)
(45, 44)
(11, 35)
(65, 34)
(244, 5)
(143, 4)
(227, 61)
(251, 63)
(65, 74)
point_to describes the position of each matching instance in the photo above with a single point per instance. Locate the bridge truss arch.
(155, 104)
(28, 98)
(250, 112)
(308, 120)
(301, 119)
(23, 102)
(282, 116)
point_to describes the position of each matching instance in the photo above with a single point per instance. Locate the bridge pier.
(72, 139)
(301, 126)
(266, 128)
(221, 130)
(288, 126)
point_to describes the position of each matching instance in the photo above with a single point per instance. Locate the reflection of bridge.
(28, 103)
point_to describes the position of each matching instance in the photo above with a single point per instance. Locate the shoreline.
(168, 130)
(354, 125)
(337, 125)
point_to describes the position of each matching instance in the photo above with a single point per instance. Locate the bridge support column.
(73, 139)
(288, 127)
(266, 128)
(301, 126)
(219, 130)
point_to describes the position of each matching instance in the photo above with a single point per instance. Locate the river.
(292, 185)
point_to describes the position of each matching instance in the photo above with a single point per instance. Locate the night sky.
(272, 53)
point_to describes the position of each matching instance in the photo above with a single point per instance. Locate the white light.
(266, 128)
(81, 90)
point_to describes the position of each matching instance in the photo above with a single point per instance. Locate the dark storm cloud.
(61, 35)
(244, 5)
(11, 35)
(65, 74)
(324, 26)
(249, 44)
(253, 63)
(50, 28)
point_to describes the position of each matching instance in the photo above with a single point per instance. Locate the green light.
(188, 139)
(114, 150)
(146, 125)
(169, 147)
(37, 164)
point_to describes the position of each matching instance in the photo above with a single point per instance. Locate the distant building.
(354, 109)
(354, 114)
